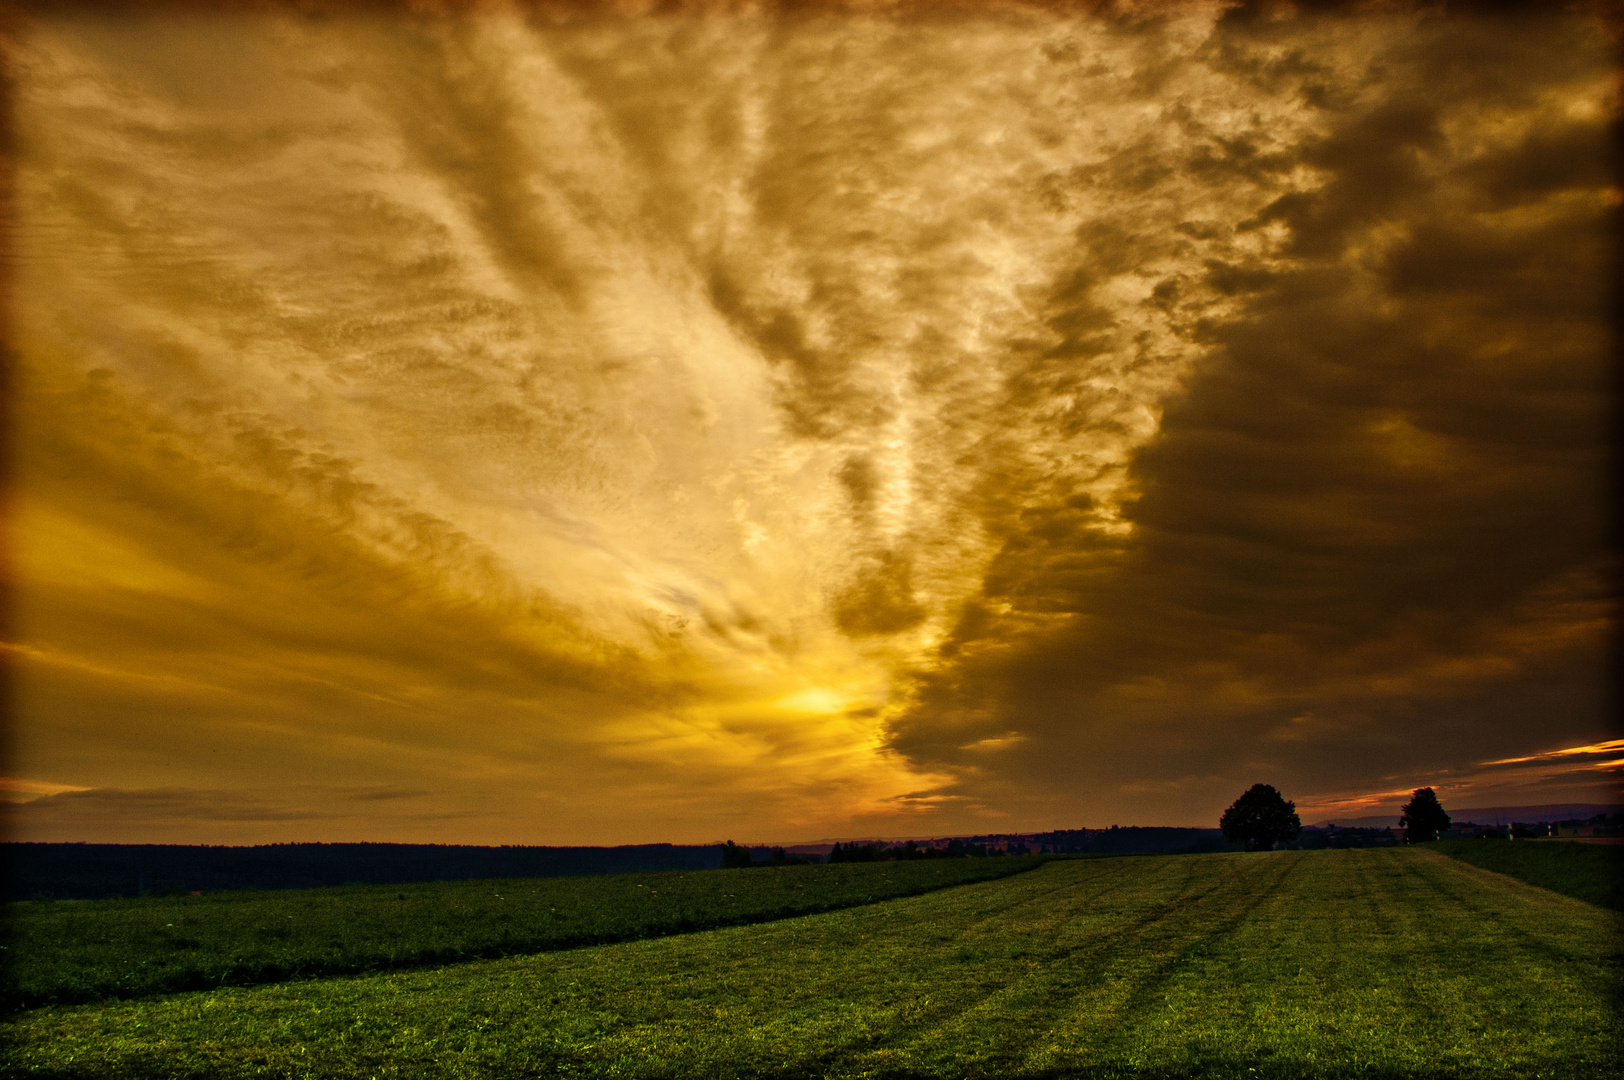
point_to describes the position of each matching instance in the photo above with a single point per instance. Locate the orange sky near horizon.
(534, 423)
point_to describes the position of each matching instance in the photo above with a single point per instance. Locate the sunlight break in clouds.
(564, 427)
(1611, 746)
(1507, 780)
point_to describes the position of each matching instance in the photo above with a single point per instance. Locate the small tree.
(735, 856)
(1260, 819)
(1424, 817)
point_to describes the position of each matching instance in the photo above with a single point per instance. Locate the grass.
(1593, 873)
(1376, 963)
(82, 950)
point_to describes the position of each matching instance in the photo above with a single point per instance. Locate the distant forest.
(97, 871)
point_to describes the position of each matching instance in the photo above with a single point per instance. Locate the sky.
(593, 424)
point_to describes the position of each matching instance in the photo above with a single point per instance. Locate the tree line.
(1262, 818)
(873, 851)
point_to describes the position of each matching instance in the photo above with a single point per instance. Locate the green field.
(82, 950)
(1593, 873)
(1365, 963)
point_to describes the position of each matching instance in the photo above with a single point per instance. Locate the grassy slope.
(1593, 873)
(1369, 963)
(82, 950)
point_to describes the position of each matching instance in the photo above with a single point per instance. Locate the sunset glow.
(531, 424)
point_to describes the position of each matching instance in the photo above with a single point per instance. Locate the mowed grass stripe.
(1586, 871)
(1102, 987)
(1018, 964)
(1408, 989)
(1288, 979)
(1312, 964)
(1480, 900)
(1039, 955)
(70, 951)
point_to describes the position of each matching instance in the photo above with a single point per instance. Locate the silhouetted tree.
(854, 852)
(733, 855)
(1424, 817)
(1260, 819)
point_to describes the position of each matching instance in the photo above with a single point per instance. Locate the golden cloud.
(611, 426)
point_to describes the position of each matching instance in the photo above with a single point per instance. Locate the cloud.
(19, 790)
(536, 409)
(1377, 496)
(264, 815)
(1578, 774)
(1594, 754)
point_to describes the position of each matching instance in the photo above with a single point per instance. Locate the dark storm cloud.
(1373, 526)
(881, 599)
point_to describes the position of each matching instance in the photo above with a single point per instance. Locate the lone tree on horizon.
(1424, 817)
(1260, 819)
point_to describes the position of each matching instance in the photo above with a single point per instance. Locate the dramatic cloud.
(1511, 781)
(594, 427)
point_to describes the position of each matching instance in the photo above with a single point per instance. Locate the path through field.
(1370, 963)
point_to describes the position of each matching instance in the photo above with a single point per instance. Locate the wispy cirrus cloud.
(1594, 772)
(17, 789)
(1602, 753)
